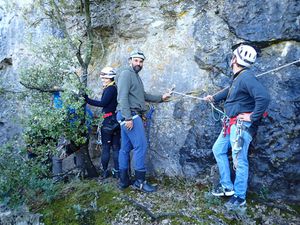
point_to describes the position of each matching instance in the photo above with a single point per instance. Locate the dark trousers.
(110, 140)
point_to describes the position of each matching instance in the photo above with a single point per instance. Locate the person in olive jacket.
(131, 107)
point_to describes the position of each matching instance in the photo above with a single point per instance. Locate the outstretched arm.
(106, 98)
(219, 96)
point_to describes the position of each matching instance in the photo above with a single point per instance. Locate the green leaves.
(22, 180)
(51, 66)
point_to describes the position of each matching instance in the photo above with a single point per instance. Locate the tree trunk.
(88, 167)
(87, 162)
(84, 63)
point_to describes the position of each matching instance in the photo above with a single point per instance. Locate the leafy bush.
(53, 68)
(23, 180)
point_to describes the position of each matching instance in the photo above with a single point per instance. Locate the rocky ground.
(176, 202)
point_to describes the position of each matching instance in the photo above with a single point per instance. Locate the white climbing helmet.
(245, 54)
(108, 72)
(137, 54)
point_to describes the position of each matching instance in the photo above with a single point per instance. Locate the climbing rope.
(214, 108)
(186, 95)
(278, 68)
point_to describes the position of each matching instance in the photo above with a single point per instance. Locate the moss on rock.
(177, 201)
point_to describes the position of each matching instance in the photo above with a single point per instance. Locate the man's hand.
(244, 117)
(129, 124)
(209, 98)
(166, 96)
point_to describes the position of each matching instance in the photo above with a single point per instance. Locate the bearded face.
(137, 68)
(136, 64)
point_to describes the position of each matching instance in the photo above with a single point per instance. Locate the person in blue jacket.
(110, 129)
(246, 100)
(67, 147)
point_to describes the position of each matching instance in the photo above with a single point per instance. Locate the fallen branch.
(158, 216)
(4, 91)
(276, 205)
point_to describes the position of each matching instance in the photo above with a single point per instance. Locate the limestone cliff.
(189, 44)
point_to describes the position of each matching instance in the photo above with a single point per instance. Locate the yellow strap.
(110, 84)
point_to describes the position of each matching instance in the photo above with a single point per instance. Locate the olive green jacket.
(131, 93)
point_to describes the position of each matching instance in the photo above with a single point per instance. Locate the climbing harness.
(122, 122)
(148, 116)
(238, 142)
(99, 141)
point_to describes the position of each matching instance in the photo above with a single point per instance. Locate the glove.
(85, 96)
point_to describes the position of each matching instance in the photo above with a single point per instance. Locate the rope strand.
(186, 95)
(220, 111)
(213, 107)
(278, 68)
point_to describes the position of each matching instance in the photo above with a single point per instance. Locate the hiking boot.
(144, 186)
(57, 179)
(60, 178)
(222, 191)
(115, 173)
(235, 202)
(105, 174)
(141, 184)
(124, 179)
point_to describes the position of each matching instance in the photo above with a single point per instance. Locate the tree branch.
(276, 205)
(156, 217)
(63, 27)
(38, 21)
(50, 90)
(78, 54)
(4, 91)
(89, 31)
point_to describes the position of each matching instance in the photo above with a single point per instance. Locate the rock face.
(15, 32)
(189, 44)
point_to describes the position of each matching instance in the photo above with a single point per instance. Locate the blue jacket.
(246, 94)
(58, 104)
(108, 100)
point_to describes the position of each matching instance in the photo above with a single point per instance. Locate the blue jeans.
(133, 139)
(220, 150)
